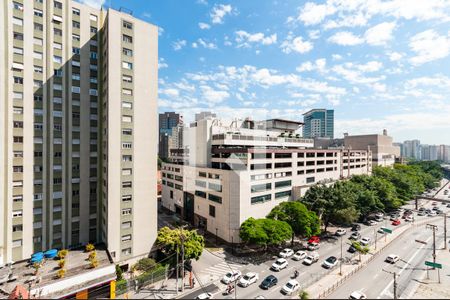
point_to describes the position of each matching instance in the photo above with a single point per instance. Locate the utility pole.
(182, 260)
(395, 282)
(445, 231)
(340, 265)
(375, 233)
(434, 228)
(177, 269)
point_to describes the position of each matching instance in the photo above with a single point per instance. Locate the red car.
(314, 240)
(396, 222)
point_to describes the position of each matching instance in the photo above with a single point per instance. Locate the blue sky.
(378, 64)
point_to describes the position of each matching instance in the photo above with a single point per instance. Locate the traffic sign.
(433, 265)
(387, 230)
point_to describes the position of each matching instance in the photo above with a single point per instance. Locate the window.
(17, 110)
(127, 25)
(127, 52)
(212, 211)
(57, 32)
(17, 21)
(75, 76)
(126, 211)
(37, 83)
(261, 177)
(260, 199)
(127, 119)
(17, 213)
(57, 59)
(200, 194)
(38, 13)
(215, 198)
(127, 92)
(37, 55)
(17, 50)
(93, 29)
(17, 6)
(37, 211)
(18, 169)
(18, 95)
(261, 187)
(199, 183)
(75, 63)
(57, 4)
(38, 27)
(93, 18)
(18, 80)
(93, 55)
(17, 124)
(38, 69)
(126, 104)
(126, 172)
(281, 184)
(76, 89)
(57, 87)
(126, 158)
(17, 198)
(127, 38)
(127, 78)
(18, 153)
(18, 36)
(75, 50)
(127, 65)
(57, 45)
(58, 72)
(93, 92)
(17, 243)
(126, 145)
(75, 37)
(57, 100)
(126, 225)
(126, 198)
(18, 139)
(38, 41)
(126, 238)
(310, 180)
(127, 184)
(37, 225)
(127, 131)
(126, 251)
(215, 187)
(75, 11)
(93, 80)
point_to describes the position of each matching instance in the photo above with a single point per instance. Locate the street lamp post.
(340, 265)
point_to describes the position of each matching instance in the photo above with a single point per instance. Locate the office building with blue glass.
(318, 123)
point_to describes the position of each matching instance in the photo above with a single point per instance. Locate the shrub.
(94, 263)
(303, 295)
(61, 263)
(93, 255)
(119, 273)
(36, 267)
(61, 273)
(145, 264)
(90, 247)
(63, 253)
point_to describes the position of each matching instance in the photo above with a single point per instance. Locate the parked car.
(268, 282)
(286, 253)
(299, 255)
(340, 232)
(356, 227)
(330, 262)
(248, 279)
(365, 241)
(311, 258)
(231, 277)
(313, 246)
(290, 287)
(357, 295)
(394, 217)
(379, 215)
(371, 223)
(409, 219)
(355, 236)
(204, 296)
(435, 208)
(432, 213)
(279, 264)
(392, 258)
(434, 203)
(351, 249)
(421, 213)
(396, 222)
(314, 239)
(448, 205)
(380, 230)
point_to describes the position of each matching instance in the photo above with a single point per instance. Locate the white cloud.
(219, 11)
(314, 34)
(93, 3)
(202, 25)
(170, 92)
(312, 14)
(345, 38)
(207, 45)
(245, 39)
(194, 45)
(395, 56)
(371, 66)
(160, 31)
(380, 34)
(213, 96)
(437, 81)
(336, 56)
(428, 46)
(354, 73)
(179, 44)
(162, 63)
(296, 44)
(308, 66)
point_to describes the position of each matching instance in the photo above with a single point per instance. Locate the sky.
(380, 64)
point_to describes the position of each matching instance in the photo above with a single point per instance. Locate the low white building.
(228, 173)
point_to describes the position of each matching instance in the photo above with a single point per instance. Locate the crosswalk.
(218, 270)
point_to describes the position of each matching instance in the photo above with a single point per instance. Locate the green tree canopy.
(304, 223)
(170, 240)
(265, 232)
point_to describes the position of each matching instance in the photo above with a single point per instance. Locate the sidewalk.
(332, 281)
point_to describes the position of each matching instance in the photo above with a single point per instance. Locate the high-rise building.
(318, 123)
(204, 114)
(167, 121)
(230, 171)
(78, 97)
(411, 149)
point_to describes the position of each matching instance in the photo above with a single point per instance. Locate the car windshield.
(228, 275)
(247, 277)
(308, 258)
(289, 285)
(331, 259)
(279, 262)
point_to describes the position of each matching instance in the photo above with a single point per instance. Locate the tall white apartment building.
(230, 171)
(78, 108)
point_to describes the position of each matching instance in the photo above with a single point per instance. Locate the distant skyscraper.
(203, 115)
(318, 123)
(412, 149)
(167, 121)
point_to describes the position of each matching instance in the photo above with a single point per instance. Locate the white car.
(204, 296)
(392, 259)
(330, 262)
(409, 219)
(357, 295)
(310, 259)
(340, 232)
(290, 287)
(248, 279)
(372, 222)
(432, 213)
(286, 253)
(279, 264)
(365, 241)
(299, 255)
(379, 215)
(231, 277)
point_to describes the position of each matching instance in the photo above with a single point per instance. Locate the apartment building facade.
(77, 90)
(244, 171)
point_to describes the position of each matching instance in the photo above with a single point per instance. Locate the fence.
(146, 279)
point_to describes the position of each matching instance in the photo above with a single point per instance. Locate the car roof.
(271, 277)
(250, 274)
(281, 260)
(293, 281)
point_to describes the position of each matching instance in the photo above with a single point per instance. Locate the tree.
(265, 232)
(304, 223)
(360, 249)
(145, 264)
(171, 239)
